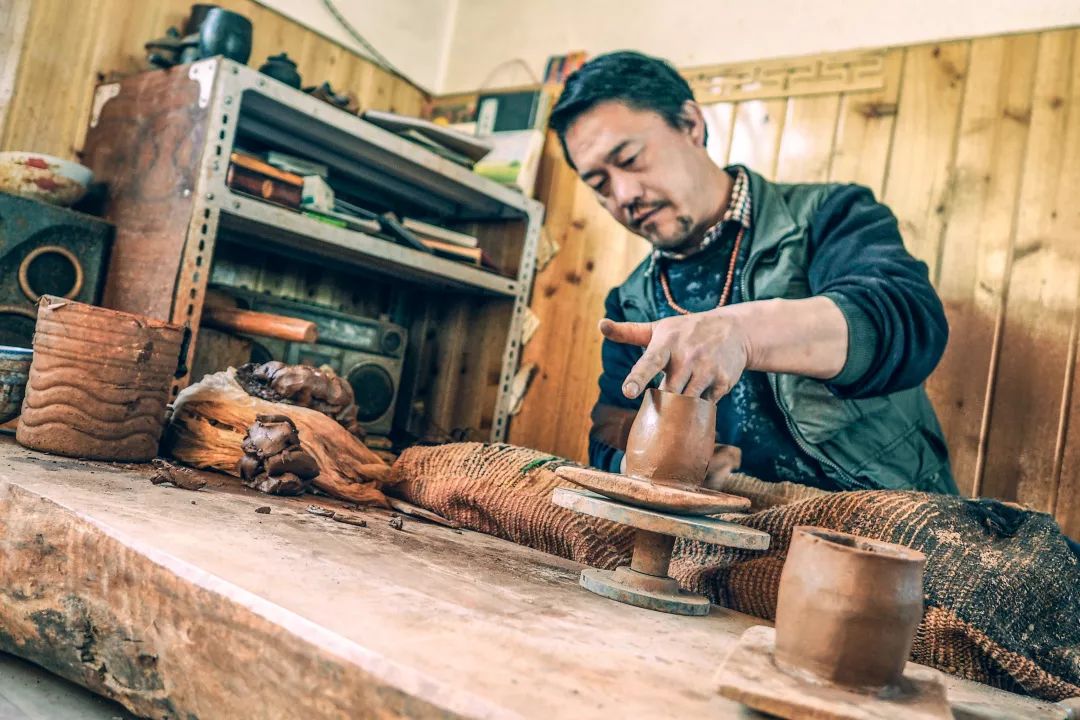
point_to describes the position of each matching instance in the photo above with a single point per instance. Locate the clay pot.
(99, 382)
(14, 368)
(848, 608)
(672, 438)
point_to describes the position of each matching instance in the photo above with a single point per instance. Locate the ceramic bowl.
(43, 177)
(14, 370)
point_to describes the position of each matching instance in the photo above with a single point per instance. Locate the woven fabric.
(1000, 585)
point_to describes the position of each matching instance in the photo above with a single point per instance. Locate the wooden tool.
(249, 322)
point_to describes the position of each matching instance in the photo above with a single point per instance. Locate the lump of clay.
(273, 460)
(165, 473)
(316, 388)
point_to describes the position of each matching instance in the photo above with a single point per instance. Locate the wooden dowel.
(249, 322)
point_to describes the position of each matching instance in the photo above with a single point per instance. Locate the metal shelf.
(375, 163)
(265, 222)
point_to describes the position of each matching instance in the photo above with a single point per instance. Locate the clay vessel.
(672, 438)
(99, 382)
(14, 368)
(848, 609)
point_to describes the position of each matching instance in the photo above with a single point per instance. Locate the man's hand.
(705, 354)
(701, 355)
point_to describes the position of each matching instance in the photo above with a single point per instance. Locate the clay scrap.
(316, 388)
(273, 461)
(166, 473)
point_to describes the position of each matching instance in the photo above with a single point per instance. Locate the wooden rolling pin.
(249, 322)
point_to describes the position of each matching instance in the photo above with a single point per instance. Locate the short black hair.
(632, 78)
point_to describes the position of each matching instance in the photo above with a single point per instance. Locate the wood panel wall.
(975, 145)
(69, 47)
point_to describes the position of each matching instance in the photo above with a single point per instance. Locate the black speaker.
(46, 250)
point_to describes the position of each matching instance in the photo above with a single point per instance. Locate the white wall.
(413, 35)
(488, 34)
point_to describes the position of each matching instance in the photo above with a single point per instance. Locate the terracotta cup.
(99, 382)
(672, 438)
(848, 608)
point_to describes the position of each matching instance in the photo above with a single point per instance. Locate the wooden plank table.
(188, 604)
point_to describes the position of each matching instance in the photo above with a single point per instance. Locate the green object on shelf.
(328, 220)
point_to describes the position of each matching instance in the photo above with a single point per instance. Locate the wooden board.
(178, 602)
(1038, 343)
(156, 119)
(720, 120)
(977, 244)
(759, 125)
(102, 38)
(750, 675)
(14, 18)
(806, 146)
(918, 186)
(864, 130)
(1067, 223)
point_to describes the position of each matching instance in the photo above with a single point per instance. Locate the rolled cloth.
(1001, 600)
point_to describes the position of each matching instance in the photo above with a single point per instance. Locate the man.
(795, 308)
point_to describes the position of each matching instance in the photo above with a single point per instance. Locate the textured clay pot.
(848, 609)
(99, 382)
(672, 438)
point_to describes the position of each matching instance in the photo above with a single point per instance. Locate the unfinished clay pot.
(99, 382)
(847, 609)
(671, 439)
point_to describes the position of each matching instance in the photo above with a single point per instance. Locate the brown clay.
(99, 382)
(847, 609)
(671, 439)
(302, 385)
(273, 460)
(166, 473)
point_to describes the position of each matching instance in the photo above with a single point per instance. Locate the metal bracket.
(203, 73)
(102, 95)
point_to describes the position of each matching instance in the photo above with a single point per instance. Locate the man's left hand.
(701, 354)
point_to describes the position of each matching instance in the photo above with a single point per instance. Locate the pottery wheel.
(750, 675)
(645, 582)
(667, 498)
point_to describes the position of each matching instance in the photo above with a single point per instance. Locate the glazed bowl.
(43, 177)
(14, 370)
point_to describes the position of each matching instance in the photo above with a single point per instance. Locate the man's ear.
(693, 122)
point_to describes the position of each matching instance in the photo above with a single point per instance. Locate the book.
(435, 232)
(471, 147)
(255, 165)
(515, 159)
(250, 182)
(473, 256)
(296, 165)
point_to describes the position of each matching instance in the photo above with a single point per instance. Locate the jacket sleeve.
(896, 323)
(617, 360)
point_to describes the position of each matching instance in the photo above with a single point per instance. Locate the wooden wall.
(69, 47)
(975, 145)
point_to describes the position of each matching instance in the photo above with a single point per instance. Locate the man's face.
(647, 173)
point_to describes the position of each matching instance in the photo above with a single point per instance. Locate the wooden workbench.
(188, 604)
